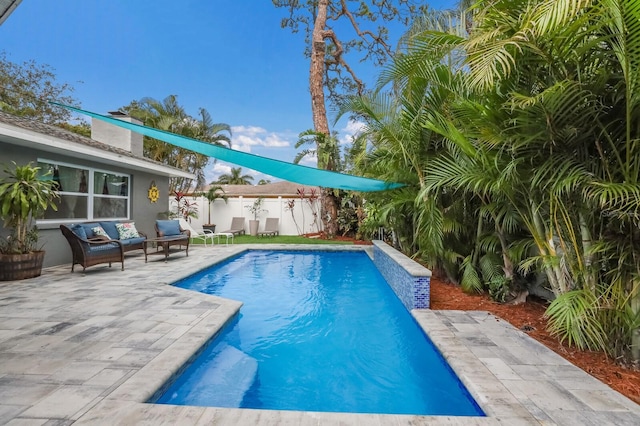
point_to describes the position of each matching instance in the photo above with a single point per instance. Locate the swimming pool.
(318, 331)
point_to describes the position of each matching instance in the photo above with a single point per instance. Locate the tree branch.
(376, 39)
(338, 58)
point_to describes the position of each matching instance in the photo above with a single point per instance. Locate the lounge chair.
(206, 234)
(92, 251)
(237, 226)
(270, 227)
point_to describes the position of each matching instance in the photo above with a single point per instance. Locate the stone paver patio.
(92, 348)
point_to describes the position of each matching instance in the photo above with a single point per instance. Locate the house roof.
(6, 7)
(45, 137)
(282, 188)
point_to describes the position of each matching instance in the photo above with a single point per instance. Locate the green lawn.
(280, 239)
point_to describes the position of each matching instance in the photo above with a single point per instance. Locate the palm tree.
(528, 126)
(234, 178)
(563, 92)
(215, 192)
(170, 116)
(533, 150)
(325, 148)
(406, 132)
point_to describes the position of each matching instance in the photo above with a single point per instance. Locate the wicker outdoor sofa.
(89, 248)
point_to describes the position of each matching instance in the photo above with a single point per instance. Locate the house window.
(87, 193)
(110, 195)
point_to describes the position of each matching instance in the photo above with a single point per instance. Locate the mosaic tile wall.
(413, 291)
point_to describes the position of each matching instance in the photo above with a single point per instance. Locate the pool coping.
(515, 379)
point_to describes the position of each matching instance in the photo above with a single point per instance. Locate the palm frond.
(470, 280)
(573, 317)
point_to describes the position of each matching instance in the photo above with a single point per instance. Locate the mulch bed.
(321, 235)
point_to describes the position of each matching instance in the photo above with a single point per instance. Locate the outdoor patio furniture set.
(93, 243)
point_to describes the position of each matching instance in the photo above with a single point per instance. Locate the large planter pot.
(253, 227)
(209, 227)
(21, 266)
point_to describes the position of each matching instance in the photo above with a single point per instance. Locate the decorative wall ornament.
(154, 193)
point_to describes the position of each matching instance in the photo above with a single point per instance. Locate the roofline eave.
(27, 138)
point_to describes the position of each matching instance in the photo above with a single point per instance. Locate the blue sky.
(230, 57)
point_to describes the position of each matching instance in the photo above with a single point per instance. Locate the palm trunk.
(507, 264)
(546, 247)
(589, 275)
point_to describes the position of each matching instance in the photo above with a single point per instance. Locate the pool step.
(226, 380)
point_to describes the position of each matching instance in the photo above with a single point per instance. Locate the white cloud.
(354, 127)
(255, 139)
(310, 160)
(246, 137)
(221, 168)
(350, 130)
(247, 130)
(212, 172)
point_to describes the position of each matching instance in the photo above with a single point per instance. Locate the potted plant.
(25, 194)
(255, 209)
(214, 193)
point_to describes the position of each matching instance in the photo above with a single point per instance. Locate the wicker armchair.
(176, 236)
(89, 252)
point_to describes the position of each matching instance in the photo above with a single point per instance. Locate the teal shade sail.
(281, 169)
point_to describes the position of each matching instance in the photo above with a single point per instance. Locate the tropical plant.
(214, 193)
(290, 206)
(561, 121)
(25, 194)
(325, 148)
(312, 201)
(235, 177)
(518, 137)
(301, 196)
(184, 208)
(351, 214)
(396, 145)
(168, 115)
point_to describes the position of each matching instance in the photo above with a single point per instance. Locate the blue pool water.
(318, 331)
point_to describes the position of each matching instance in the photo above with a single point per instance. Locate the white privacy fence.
(303, 220)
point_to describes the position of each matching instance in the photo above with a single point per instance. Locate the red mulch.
(322, 235)
(530, 314)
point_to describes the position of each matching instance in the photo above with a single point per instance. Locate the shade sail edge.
(277, 168)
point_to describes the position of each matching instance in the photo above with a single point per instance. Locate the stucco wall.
(143, 212)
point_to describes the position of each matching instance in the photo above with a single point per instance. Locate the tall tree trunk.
(316, 71)
(329, 211)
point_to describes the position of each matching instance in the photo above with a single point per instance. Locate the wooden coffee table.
(165, 243)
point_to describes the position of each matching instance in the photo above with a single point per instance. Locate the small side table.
(227, 235)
